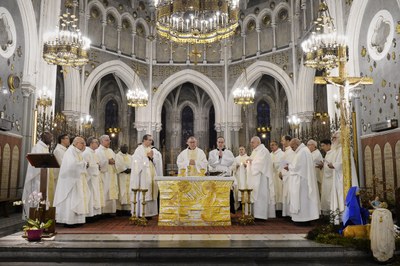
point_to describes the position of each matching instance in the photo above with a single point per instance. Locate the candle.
(144, 174)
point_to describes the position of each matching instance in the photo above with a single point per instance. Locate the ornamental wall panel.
(378, 174)
(388, 169)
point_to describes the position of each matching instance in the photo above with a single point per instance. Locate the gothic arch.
(31, 41)
(122, 70)
(254, 72)
(177, 79)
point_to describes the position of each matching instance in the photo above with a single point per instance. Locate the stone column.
(273, 25)
(133, 34)
(27, 126)
(119, 39)
(258, 30)
(104, 24)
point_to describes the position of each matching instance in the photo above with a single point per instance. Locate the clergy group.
(93, 181)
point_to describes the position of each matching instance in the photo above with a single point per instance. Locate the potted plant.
(34, 229)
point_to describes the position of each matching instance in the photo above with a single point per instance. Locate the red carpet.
(120, 225)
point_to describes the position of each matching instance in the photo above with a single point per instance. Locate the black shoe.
(71, 225)
(302, 223)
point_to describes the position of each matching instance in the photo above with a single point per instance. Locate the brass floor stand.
(246, 218)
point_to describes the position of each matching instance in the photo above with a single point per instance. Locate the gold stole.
(50, 187)
(192, 155)
(85, 188)
(152, 173)
(127, 180)
(101, 185)
(113, 193)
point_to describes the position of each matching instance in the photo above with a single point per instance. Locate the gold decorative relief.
(363, 51)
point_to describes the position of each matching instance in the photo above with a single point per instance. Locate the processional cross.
(344, 83)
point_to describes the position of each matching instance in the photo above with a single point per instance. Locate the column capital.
(141, 125)
(27, 89)
(234, 126)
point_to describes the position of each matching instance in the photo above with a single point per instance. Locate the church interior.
(249, 72)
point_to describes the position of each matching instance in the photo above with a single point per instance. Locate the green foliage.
(36, 224)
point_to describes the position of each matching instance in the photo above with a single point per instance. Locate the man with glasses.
(146, 165)
(63, 143)
(192, 160)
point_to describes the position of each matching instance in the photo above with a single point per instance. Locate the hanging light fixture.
(191, 21)
(87, 121)
(137, 97)
(321, 49)
(244, 95)
(66, 46)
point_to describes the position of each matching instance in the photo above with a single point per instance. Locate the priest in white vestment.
(63, 143)
(312, 145)
(72, 193)
(327, 180)
(303, 187)
(123, 164)
(260, 179)
(96, 199)
(108, 174)
(239, 172)
(32, 178)
(277, 155)
(286, 160)
(220, 159)
(146, 165)
(337, 197)
(193, 159)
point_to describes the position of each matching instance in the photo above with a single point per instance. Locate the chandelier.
(66, 46)
(322, 48)
(87, 121)
(137, 97)
(244, 95)
(191, 21)
(43, 98)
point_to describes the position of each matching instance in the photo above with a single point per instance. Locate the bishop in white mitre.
(32, 178)
(123, 164)
(193, 159)
(72, 192)
(303, 187)
(260, 179)
(146, 165)
(108, 174)
(96, 199)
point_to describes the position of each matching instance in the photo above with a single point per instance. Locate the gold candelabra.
(246, 218)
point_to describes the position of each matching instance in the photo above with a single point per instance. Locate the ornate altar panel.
(194, 201)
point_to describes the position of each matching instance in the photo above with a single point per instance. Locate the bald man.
(72, 192)
(260, 179)
(192, 159)
(303, 188)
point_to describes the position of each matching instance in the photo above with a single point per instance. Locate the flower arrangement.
(36, 224)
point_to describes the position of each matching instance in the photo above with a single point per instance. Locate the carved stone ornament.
(8, 34)
(380, 34)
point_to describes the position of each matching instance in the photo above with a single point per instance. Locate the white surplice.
(58, 152)
(72, 192)
(277, 157)
(32, 178)
(186, 155)
(109, 178)
(337, 197)
(143, 171)
(223, 164)
(303, 187)
(96, 200)
(122, 163)
(286, 159)
(317, 158)
(239, 172)
(327, 181)
(260, 179)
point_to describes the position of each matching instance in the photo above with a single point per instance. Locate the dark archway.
(212, 139)
(187, 119)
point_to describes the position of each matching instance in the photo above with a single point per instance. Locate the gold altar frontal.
(194, 201)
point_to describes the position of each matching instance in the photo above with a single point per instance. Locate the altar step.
(111, 249)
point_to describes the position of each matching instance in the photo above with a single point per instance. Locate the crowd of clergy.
(93, 181)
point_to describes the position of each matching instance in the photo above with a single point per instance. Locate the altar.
(194, 200)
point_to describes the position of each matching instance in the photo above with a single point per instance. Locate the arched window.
(111, 115)
(187, 125)
(263, 121)
(212, 140)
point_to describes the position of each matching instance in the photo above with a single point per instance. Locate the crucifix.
(344, 83)
(196, 53)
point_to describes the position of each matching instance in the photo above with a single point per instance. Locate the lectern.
(43, 161)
